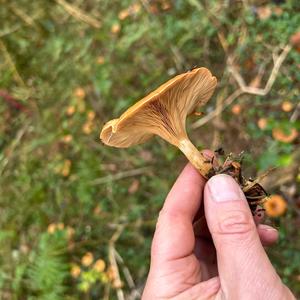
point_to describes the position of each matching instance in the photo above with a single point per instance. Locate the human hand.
(233, 265)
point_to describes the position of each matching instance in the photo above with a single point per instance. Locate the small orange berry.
(79, 92)
(100, 60)
(51, 228)
(66, 168)
(117, 283)
(91, 115)
(75, 271)
(111, 273)
(87, 127)
(115, 28)
(67, 138)
(262, 123)
(236, 109)
(70, 110)
(287, 106)
(135, 8)
(123, 14)
(275, 206)
(87, 259)
(99, 265)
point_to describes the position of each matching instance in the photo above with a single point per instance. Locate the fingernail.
(223, 188)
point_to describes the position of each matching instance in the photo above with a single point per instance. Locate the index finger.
(174, 237)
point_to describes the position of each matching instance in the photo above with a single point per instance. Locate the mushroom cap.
(162, 112)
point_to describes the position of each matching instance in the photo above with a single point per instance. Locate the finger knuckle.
(237, 223)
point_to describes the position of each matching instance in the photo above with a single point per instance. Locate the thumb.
(243, 265)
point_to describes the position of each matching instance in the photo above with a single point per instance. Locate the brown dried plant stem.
(196, 158)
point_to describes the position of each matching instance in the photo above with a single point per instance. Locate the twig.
(10, 150)
(10, 30)
(120, 175)
(113, 261)
(258, 91)
(217, 122)
(126, 271)
(79, 14)
(11, 63)
(22, 15)
(135, 294)
(295, 113)
(229, 100)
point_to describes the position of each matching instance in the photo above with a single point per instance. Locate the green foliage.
(62, 77)
(48, 270)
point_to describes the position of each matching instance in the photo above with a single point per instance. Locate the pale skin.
(229, 260)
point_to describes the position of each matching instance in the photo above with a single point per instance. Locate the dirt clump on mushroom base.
(232, 166)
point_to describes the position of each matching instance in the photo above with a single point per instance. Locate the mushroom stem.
(196, 158)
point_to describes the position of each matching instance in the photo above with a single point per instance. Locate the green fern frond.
(49, 270)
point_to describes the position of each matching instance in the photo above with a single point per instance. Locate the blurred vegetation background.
(77, 217)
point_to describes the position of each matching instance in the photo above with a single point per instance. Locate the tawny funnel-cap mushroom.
(163, 112)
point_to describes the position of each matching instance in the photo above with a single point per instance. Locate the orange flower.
(79, 92)
(281, 136)
(75, 271)
(287, 106)
(262, 123)
(275, 206)
(99, 265)
(87, 259)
